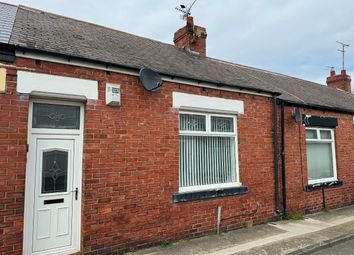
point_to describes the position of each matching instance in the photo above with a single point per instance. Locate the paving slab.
(281, 237)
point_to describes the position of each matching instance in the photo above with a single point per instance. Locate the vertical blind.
(319, 152)
(206, 158)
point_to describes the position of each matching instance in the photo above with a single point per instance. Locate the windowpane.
(311, 134)
(192, 122)
(319, 160)
(54, 171)
(207, 160)
(222, 124)
(56, 116)
(325, 134)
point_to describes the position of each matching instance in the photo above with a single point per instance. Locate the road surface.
(345, 248)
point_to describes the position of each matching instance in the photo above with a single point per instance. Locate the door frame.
(32, 135)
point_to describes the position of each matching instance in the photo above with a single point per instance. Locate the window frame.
(209, 133)
(319, 140)
(78, 119)
(33, 130)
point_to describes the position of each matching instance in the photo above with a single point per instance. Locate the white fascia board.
(185, 101)
(30, 83)
(122, 70)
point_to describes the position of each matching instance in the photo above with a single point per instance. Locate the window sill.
(205, 194)
(323, 185)
(209, 187)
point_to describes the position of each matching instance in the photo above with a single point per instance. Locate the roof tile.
(7, 18)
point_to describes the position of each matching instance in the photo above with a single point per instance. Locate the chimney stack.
(339, 81)
(191, 37)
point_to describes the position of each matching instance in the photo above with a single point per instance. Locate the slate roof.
(35, 29)
(7, 18)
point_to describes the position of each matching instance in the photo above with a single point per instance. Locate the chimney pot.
(190, 21)
(340, 81)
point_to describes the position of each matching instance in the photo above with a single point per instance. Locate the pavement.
(294, 237)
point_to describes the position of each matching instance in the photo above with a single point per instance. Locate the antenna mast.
(343, 51)
(186, 10)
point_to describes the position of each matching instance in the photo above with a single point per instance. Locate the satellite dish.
(150, 79)
(296, 114)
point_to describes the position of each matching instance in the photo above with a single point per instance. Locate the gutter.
(95, 64)
(318, 107)
(107, 66)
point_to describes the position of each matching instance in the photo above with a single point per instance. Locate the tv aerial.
(343, 51)
(185, 10)
(331, 68)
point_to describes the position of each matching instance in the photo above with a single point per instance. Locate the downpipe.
(283, 169)
(276, 160)
(218, 221)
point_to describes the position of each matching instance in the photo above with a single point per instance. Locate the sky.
(296, 38)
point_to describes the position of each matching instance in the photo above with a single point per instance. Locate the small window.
(321, 163)
(191, 122)
(222, 124)
(54, 116)
(311, 134)
(325, 134)
(207, 152)
(54, 171)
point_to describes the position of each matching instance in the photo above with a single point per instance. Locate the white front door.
(54, 193)
(53, 179)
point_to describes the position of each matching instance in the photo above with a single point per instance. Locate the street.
(345, 248)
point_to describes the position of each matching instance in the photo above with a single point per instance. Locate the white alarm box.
(112, 94)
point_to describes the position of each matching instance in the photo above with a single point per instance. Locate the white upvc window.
(208, 156)
(321, 155)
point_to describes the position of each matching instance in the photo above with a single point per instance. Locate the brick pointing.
(130, 168)
(191, 37)
(13, 135)
(296, 164)
(340, 81)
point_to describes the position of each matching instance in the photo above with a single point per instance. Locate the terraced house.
(110, 141)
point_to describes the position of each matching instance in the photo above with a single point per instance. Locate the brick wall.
(130, 166)
(296, 164)
(13, 133)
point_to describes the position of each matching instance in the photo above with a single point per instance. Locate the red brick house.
(78, 174)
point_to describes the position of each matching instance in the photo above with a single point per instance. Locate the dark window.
(55, 171)
(56, 116)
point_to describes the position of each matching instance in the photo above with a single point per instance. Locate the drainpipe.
(218, 221)
(283, 173)
(275, 146)
(323, 198)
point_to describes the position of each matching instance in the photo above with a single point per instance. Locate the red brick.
(131, 166)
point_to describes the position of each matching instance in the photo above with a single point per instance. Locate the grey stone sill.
(207, 194)
(323, 185)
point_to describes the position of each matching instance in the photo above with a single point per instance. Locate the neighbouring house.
(93, 162)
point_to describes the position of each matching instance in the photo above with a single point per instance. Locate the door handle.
(76, 193)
